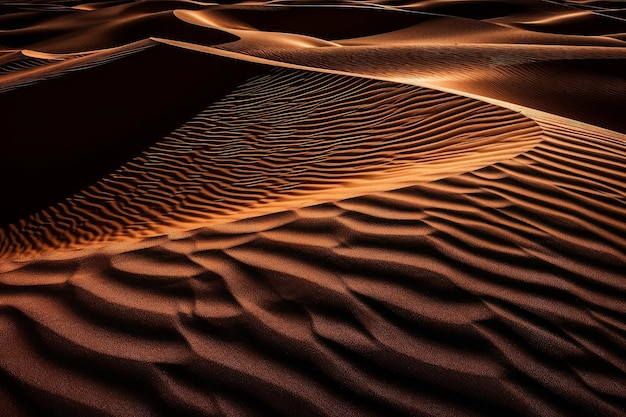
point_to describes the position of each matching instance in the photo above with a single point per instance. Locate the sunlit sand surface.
(282, 208)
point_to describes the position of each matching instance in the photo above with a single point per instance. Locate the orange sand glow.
(374, 208)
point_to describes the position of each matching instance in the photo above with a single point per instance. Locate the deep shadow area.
(471, 9)
(338, 22)
(63, 134)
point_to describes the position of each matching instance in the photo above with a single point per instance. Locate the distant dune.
(373, 208)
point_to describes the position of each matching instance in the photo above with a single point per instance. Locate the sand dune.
(283, 139)
(290, 208)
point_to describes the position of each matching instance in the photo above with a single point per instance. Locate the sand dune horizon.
(313, 208)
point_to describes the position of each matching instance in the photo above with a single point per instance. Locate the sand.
(307, 208)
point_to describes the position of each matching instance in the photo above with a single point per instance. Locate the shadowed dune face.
(377, 208)
(55, 150)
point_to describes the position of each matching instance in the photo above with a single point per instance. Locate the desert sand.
(306, 208)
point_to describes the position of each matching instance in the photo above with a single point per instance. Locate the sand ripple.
(287, 138)
(511, 305)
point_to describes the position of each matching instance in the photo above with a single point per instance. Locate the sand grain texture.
(293, 208)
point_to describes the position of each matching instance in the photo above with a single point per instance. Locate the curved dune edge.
(428, 76)
(563, 79)
(248, 37)
(390, 136)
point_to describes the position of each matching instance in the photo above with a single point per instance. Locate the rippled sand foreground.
(288, 208)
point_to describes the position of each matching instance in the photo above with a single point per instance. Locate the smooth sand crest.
(285, 208)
